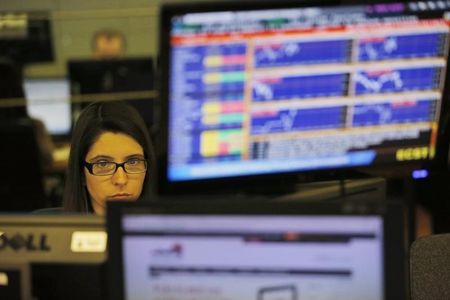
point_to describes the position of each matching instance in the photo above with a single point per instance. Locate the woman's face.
(119, 148)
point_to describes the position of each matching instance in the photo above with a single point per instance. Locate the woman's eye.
(133, 161)
(103, 164)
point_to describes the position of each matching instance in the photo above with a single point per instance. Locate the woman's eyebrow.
(100, 157)
(137, 155)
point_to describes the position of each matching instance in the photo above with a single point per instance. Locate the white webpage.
(253, 257)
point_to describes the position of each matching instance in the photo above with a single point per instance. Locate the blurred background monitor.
(251, 91)
(128, 79)
(26, 37)
(48, 99)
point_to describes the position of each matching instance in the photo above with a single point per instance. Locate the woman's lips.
(120, 196)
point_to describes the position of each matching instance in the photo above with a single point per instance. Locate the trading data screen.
(293, 89)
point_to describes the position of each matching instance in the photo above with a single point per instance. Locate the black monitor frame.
(239, 183)
(36, 45)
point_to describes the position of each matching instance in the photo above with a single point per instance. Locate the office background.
(73, 24)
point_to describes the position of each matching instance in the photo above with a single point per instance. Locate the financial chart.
(251, 93)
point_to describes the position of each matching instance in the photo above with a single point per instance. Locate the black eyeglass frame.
(90, 166)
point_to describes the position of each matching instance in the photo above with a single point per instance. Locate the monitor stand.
(363, 195)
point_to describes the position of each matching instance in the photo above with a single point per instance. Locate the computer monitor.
(254, 90)
(127, 79)
(260, 251)
(26, 36)
(52, 257)
(48, 99)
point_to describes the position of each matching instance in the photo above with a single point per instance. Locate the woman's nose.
(120, 177)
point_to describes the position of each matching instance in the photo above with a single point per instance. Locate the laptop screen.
(240, 257)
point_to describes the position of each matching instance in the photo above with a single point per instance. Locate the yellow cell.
(212, 78)
(210, 119)
(209, 142)
(211, 108)
(212, 61)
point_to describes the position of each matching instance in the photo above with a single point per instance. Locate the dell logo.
(28, 242)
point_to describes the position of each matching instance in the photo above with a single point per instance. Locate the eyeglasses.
(103, 168)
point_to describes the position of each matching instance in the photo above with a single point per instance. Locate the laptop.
(268, 251)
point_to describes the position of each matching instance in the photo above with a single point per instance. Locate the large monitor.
(259, 89)
(52, 257)
(260, 251)
(48, 99)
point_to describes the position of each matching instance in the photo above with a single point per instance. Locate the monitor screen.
(268, 88)
(48, 99)
(240, 257)
(248, 255)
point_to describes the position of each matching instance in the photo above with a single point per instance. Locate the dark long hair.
(95, 119)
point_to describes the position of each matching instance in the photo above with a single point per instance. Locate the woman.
(110, 157)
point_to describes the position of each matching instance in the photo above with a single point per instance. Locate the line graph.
(385, 81)
(401, 46)
(393, 113)
(377, 50)
(310, 86)
(375, 83)
(295, 52)
(297, 120)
